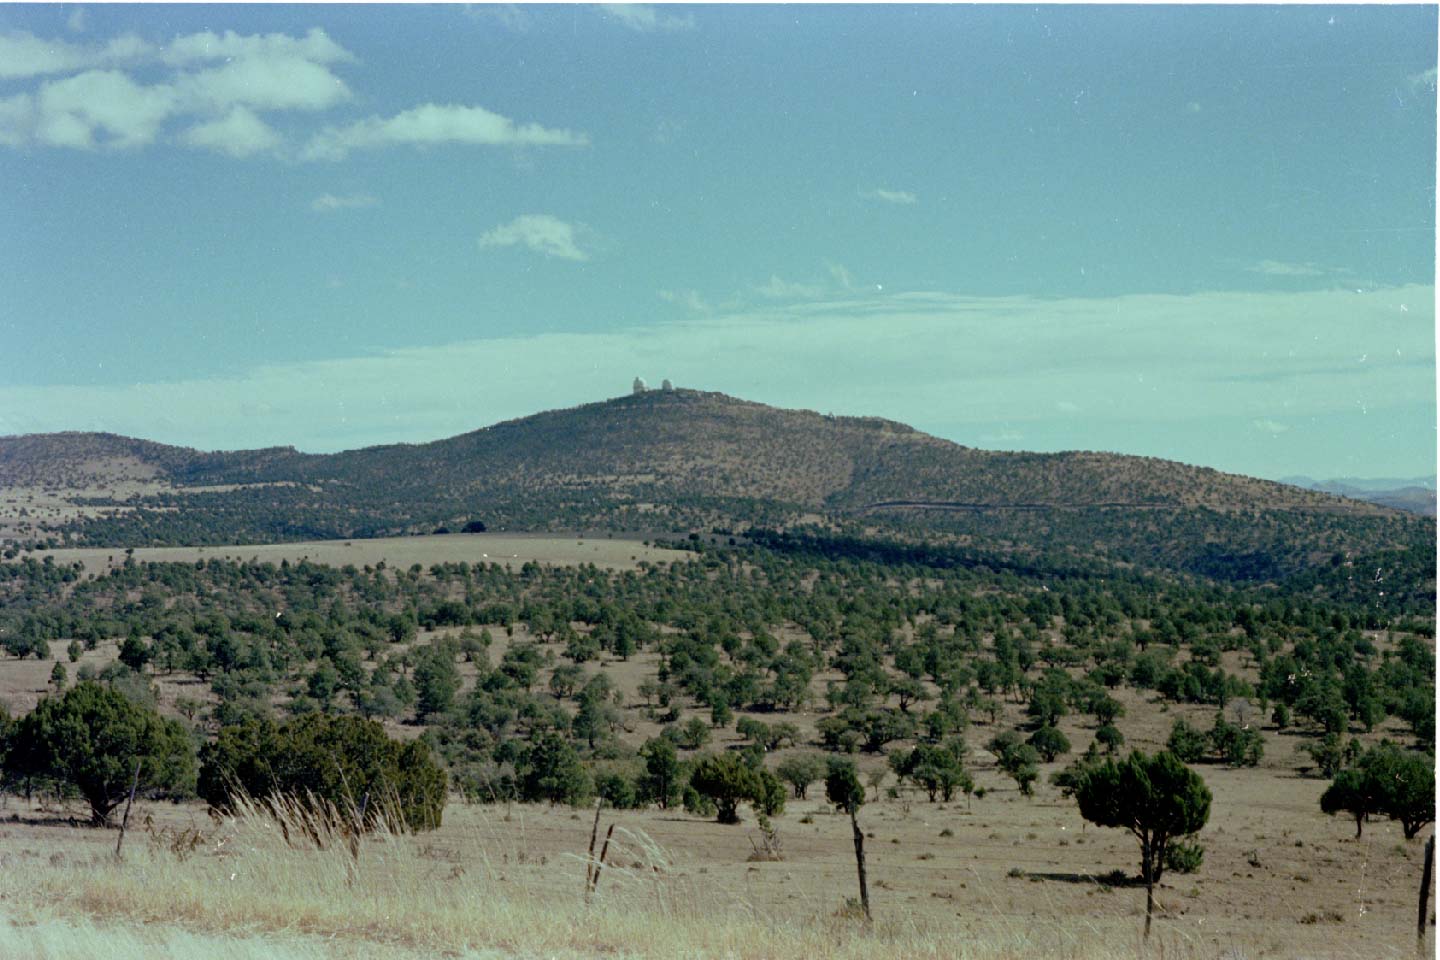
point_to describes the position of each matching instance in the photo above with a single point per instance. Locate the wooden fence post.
(860, 865)
(125, 820)
(1426, 872)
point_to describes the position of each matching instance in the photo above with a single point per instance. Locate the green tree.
(93, 737)
(1020, 761)
(1238, 746)
(728, 781)
(133, 652)
(1158, 799)
(437, 680)
(1110, 737)
(1187, 742)
(332, 764)
(1351, 792)
(770, 795)
(661, 782)
(1398, 783)
(552, 771)
(1050, 742)
(800, 771)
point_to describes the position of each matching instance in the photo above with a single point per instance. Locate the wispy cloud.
(840, 275)
(329, 202)
(689, 299)
(901, 197)
(646, 19)
(969, 381)
(539, 232)
(26, 55)
(778, 289)
(1424, 80)
(508, 15)
(23, 54)
(315, 47)
(433, 124)
(1279, 268)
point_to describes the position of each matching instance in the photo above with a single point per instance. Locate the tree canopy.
(1157, 798)
(92, 737)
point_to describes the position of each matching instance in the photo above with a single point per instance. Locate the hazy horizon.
(1199, 233)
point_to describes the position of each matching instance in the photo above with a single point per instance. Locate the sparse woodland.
(946, 658)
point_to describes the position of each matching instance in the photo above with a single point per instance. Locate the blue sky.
(1200, 233)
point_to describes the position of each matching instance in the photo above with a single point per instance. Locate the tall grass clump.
(290, 879)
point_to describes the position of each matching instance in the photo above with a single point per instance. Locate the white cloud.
(778, 289)
(689, 299)
(840, 275)
(431, 124)
(1278, 268)
(646, 19)
(17, 119)
(1424, 80)
(902, 197)
(539, 232)
(26, 55)
(73, 110)
(238, 134)
(1198, 371)
(1266, 425)
(96, 107)
(328, 202)
(508, 15)
(265, 83)
(315, 47)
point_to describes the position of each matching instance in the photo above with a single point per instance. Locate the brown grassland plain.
(998, 875)
(993, 876)
(1001, 876)
(503, 548)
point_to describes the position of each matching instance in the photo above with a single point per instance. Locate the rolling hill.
(675, 461)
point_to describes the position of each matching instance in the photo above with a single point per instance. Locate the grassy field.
(997, 875)
(402, 552)
(1001, 876)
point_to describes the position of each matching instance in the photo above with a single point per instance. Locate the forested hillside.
(676, 461)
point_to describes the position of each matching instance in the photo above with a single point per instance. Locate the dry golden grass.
(482, 888)
(400, 552)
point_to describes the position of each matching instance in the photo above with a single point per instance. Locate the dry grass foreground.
(498, 883)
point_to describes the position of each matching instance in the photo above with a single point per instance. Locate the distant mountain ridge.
(685, 459)
(1416, 495)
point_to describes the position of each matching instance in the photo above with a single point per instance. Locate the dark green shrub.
(1186, 742)
(92, 738)
(727, 781)
(1049, 742)
(344, 762)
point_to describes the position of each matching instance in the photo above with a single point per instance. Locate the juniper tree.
(1157, 798)
(93, 737)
